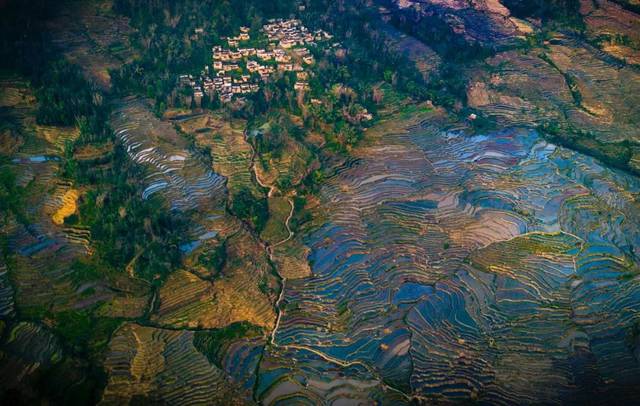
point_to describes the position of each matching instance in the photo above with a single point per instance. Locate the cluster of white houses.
(289, 33)
(238, 69)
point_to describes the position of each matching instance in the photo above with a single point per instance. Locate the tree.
(250, 208)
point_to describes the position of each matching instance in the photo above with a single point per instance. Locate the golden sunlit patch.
(69, 206)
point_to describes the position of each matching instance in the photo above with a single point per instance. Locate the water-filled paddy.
(171, 168)
(498, 267)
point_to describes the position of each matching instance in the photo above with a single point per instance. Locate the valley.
(447, 211)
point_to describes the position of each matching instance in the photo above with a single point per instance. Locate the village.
(238, 69)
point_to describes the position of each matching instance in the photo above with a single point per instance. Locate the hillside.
(319, 202)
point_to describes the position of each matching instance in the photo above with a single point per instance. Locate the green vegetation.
(123, 226)
(300, 214)
(126, 231)
(555, 12)
(88, 270)
(64, 96)
(616, 154)
(215, 258)
(85, 333)
(313, 181)
(247, 207)
(12, 197)
(212, 343)
(273, 140)
(618, 39)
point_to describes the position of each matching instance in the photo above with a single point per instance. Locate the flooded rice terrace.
(497, 267)
(494, 267)
(171, 168)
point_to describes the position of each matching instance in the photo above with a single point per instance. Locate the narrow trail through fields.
(269, 248)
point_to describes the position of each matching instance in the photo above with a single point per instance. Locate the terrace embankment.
(494, 267)
(615, 28)
(46, 245)
(45, 277)
(92, 36)
(186, 182)
(201, 296)
(567, 81)
(150, 364)
(443, 267)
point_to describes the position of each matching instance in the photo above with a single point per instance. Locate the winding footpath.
(269, 249)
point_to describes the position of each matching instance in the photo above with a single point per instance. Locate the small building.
(286, 44)
(247, 51)
(264, 54)
(283, 58)
(183, 80)
(287, 67)
(197, 95)
(253, 66)
(231, 67)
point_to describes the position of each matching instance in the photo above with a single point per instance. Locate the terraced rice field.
(29, 347)
(46, 247)
(276, 231)
(155, 365)
(498, 268)
(230, 153)
(93, 37)
(603, 17)
(191, 300)
(446, 268)
(171, 168)
(533, 88)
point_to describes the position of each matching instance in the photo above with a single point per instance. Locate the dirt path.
(286, 224)
(269, 249)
